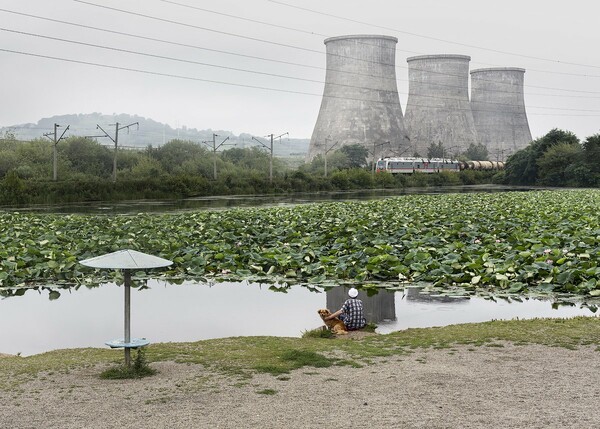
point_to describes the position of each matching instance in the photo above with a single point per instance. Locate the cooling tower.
(498, 106)
(360, 102)
(438, 108)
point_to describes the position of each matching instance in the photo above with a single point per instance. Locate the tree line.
(180, 169)
(557, 159)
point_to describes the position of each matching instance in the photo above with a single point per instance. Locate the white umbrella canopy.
(127, 260)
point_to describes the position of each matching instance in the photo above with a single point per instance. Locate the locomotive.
(408, 165)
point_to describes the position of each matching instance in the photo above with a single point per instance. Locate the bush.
(139, 369)
(13, 189)
(339, 180)
(360, 178)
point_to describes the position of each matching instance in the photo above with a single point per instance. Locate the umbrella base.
(134, 343)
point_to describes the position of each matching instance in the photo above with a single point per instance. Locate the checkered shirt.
(354, 316)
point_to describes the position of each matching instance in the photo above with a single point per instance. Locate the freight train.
(432, 165)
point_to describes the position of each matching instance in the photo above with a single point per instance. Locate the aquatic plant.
(537, 242)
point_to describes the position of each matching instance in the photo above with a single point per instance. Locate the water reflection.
(377, 308)
(415, 309)
(418, 295)
(193, 311)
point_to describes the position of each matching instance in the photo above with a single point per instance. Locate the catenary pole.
(116, 142)
(55, 140)
(270, 148)
(327, 150)
(215, 147)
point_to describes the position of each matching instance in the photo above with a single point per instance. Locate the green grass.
(318, 333)
(241, 357)
(267, 392)
(138, 369)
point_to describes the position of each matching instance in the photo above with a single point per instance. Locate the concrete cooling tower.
(438, 108)
(360, 102)
(498, 106)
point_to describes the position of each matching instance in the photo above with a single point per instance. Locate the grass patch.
(300, 358)
(370, 327)
(122, 372)
(318, 333)
(272, 369)
(267, 392)
(294, 359)
(139, 369)
(350, 363)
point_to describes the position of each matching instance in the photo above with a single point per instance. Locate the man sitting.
(351, 313)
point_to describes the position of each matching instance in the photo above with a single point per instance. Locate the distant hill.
(150, 132)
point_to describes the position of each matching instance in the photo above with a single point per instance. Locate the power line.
(153, 39)
(269, 24)
(245, 70)
(328, 35)
(255, 21)
(164, 57)
(169, 21)
(292, 63)
(430, 37)
(234, 68)
(148, 72)
(198, 27)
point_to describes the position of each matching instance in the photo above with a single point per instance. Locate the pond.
(234, 201)
(192, 311)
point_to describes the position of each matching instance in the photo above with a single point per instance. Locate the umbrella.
(127, 260)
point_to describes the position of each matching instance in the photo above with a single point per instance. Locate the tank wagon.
(482, 165)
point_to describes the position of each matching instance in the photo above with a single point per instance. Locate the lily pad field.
(535, 243)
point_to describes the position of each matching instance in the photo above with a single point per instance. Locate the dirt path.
(481, 387)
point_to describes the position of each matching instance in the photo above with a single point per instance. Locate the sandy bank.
(464, 387)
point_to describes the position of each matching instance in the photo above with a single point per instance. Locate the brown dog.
(335, 325)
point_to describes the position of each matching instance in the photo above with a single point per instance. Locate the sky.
(258, 66)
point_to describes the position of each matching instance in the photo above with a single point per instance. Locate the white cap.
(353, 293)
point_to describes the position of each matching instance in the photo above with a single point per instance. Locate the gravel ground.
(482, 387)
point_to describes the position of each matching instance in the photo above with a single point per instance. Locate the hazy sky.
(258, 66)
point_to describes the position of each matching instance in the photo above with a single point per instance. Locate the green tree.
(147, 168)
(9, 135)
(356, 155)
(86, 156)
(555, 165)
(252, 158)
(477, 152)
(34, 159)
(335, 161)
(591, 153)
(522, 166)
(436, 150)
(12, 189)
(175, 152)
(8, 161)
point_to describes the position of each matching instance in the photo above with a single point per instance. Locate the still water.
(33, 324)
(236, 201)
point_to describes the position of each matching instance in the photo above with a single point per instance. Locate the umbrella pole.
(127, 277)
